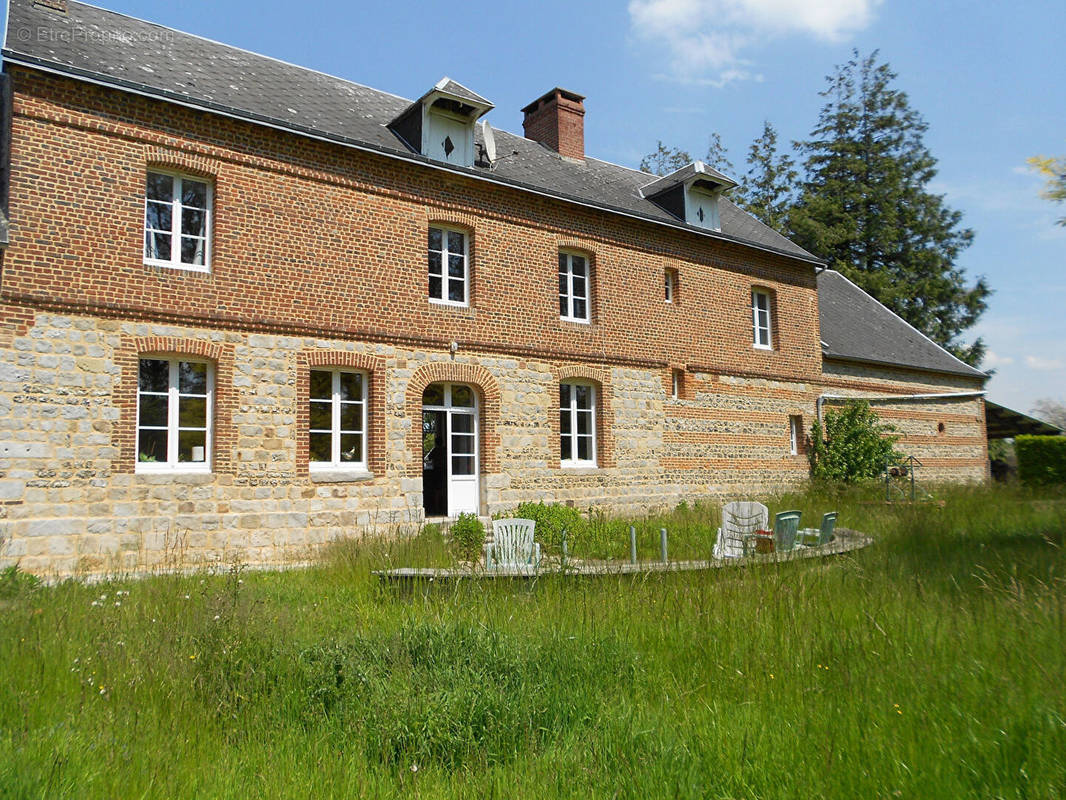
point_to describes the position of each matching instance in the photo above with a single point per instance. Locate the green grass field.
(931, 664)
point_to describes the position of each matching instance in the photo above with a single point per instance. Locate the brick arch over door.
(605, 456)
(488, 410)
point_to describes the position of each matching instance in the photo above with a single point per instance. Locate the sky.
(989, 79)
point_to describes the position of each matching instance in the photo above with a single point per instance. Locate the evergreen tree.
(767, 191)
(717, 155)
(664, 160)
(865, 207)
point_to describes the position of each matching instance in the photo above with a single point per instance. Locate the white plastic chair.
(740, 520)
(512, 545)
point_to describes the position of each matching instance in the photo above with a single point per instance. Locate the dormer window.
(691, 194)
(440, 124)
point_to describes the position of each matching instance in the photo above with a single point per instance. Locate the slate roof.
(694, 170)
(457, 89)
(855, 327)
(116, 50)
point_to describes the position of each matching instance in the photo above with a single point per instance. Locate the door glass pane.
(154, 409)
(321, 385)
(463, 423)
(320, 447)
(192, 446)
(192, 378)
(433, 395)
(351, 447)
(151, 446)
(351, 386)
(463, 445)
(154, 375)
(462, 396)
(462, 465)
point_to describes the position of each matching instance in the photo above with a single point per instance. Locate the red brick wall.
(316, 239)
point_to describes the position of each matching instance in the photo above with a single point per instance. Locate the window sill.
(580, 469)
(203, 270)
(575, 320)
(764, 347)
(447, 303)
(339, 476)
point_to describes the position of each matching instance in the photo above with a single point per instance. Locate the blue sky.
(988, 79)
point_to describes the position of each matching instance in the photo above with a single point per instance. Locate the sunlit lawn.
(931, 664)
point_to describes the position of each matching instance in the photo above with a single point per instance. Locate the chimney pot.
(557, 120)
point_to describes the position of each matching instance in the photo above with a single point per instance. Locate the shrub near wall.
(1041, 459)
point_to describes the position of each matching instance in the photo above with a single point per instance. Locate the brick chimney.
(558, 120)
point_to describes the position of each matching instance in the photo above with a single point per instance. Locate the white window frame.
(795, 422)
(175, 262)
(574, 462)
(444, 253)
(761, 330)
(335, 462)
(173, 429)
(675, 383)
(569, 316)
(670, 284)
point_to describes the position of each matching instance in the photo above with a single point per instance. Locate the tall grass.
(929, 665)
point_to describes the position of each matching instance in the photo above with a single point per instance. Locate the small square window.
(670, 285)
(177, 222)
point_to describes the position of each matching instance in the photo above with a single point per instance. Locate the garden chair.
(512, 545)
(740, 520)
(786, 526)
(814, 537)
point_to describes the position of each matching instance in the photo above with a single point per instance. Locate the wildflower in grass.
(898, 709)
(414, 768)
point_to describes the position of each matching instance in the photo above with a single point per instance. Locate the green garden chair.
(786, 526)
(814, 537)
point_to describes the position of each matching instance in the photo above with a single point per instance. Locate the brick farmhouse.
(247, 308)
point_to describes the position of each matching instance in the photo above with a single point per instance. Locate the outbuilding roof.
(116, 50)
(856, 327)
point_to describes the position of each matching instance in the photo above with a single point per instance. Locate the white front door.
(459, 406)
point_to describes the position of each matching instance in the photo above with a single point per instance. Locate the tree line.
(859, 196)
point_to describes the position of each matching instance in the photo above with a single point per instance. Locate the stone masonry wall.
(72, 501)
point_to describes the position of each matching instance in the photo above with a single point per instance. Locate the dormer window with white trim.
(440, 124)
(701, 208)
(691, 194)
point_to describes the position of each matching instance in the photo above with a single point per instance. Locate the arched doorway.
(450, 466)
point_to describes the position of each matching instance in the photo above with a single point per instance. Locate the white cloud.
(703, 40)
(1043, 364)
(992, 359)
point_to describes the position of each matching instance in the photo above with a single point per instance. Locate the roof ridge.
(897, 316)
